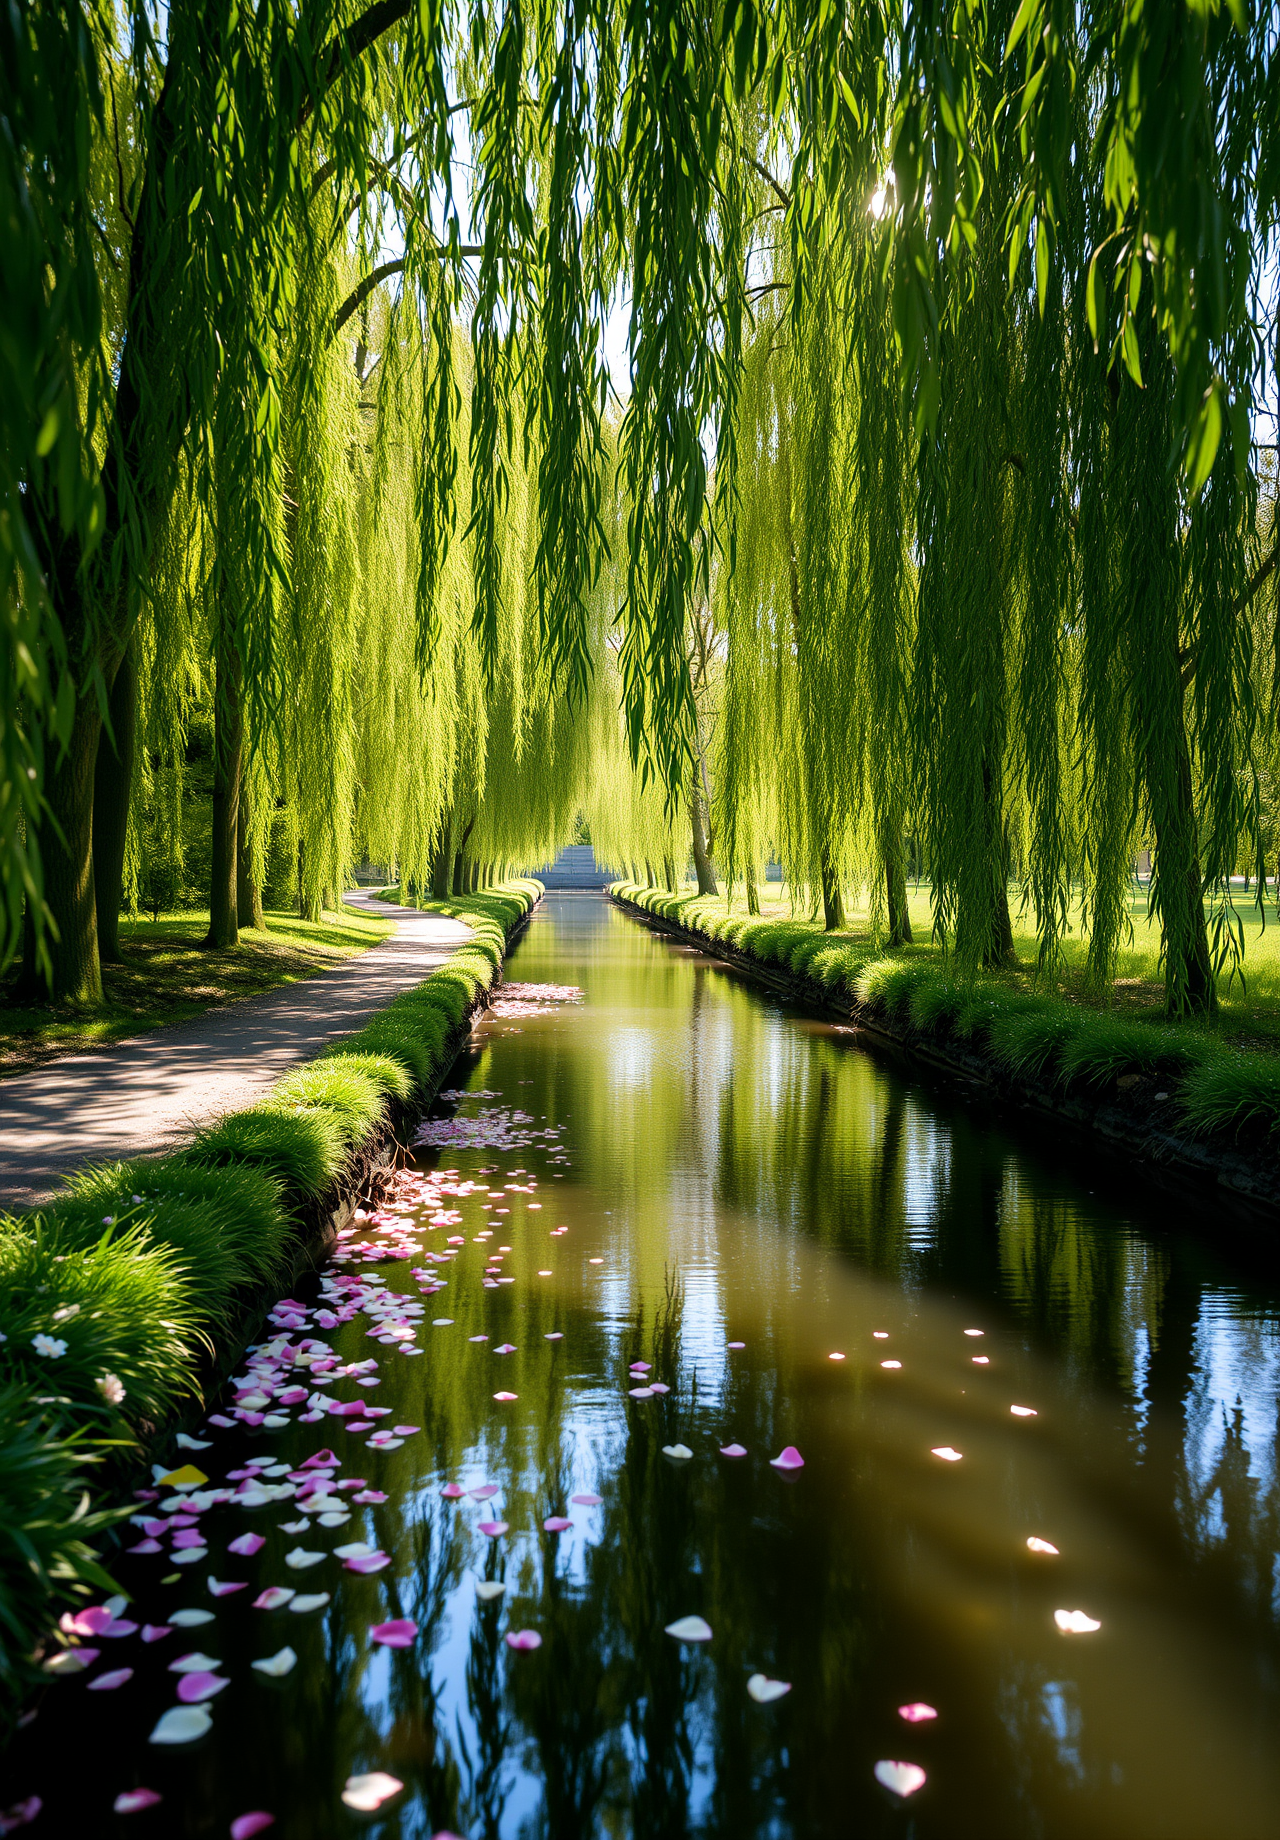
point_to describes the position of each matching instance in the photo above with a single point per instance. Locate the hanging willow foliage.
(938, 505)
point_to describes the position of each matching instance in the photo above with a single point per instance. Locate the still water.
(730, 1171)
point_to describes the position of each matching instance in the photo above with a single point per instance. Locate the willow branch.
(376, 276)
(779, 190)
(352, 41)
(1187, 657)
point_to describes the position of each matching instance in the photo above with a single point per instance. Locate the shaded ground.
(152, 1092)
(168, 977)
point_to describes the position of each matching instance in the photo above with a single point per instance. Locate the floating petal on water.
(917, 1712)
(681, 1451)
(900, 1778)
(947, 1454)
(195, 1663)
(690, 1629)
(763, 1690)
(368, 1562)
(133, 1801)
(733, 1450)
(182, 1725)
(398, 1633)
(247, 1545)
(107, 1683)
(1075, 1622)
(300, 1559)
(190, 1619)
(586, 1501)
(556, 1523)
(506, 1396)
(273, 1597)
(523, 1639)
(1037, 1545)
(789, 1458)
(492, 1528)
(489, 1588)
(282, 1662)
(367, 1793)
(193, 1688)
(1024, 1411)
(245, 1826)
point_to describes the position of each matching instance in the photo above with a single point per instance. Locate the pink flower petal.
(789, 1458)
(247, 1545)
(407, 1430)
(504, 1397)
(193, 1688)
(735, 1344)
(371, 1562)
(369, 1498)
(524, 1639)
(586, 1501)
(146, 1546)
(485, 1492)
(917, 1712)
(453, 1491)
(88, 1622)
(133, 1801)
(293, 1396)
(220, 1588)
(900, 1778)
(107, 1683)
(246, 1825)
(399, 1633)
(556, 1523)
(273, 1597)
(492, 1528)
(325, 1459)
(156, 1632)
(733, 1450)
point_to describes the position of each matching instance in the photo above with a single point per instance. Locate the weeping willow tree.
(1003, 605)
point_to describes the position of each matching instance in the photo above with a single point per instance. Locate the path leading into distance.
(155, 1090)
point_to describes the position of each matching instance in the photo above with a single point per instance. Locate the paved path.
(153, 1091)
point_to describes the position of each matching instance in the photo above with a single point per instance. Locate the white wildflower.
(67, 1311)
(48, 1345)
(111, 1388)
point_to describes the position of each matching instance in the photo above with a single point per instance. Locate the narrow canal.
(687, 1222)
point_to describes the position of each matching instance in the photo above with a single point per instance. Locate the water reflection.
(747, 1174)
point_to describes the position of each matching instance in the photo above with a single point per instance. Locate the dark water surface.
(741, 1173)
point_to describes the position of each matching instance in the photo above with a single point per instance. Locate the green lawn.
(1251, 1013)
(167, 976)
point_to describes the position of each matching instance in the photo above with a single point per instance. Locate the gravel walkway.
(155, 1090)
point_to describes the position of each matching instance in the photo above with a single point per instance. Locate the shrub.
(1107, 1046)
(1029, 1045)
(1233, 1092)
(190, 1228)
(120, 1309)
(936, 1002)
(183, 1200)
(394, 1038)
(347, 1093)
(304, 1151)
(45, 1523)
(387, 1073)
(888, 983)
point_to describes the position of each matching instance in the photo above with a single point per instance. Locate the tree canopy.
(933, 515)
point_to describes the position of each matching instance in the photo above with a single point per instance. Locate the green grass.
(45, 1525)
(336, 1087)
(123, 1308)
(302, 1151)
(1033, 1030)
(169, 977)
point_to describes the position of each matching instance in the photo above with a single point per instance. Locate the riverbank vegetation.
(1182, 1076)
(122, 1296)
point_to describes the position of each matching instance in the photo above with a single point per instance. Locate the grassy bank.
(1224, 1081)
(168, 977)
(114, 1293)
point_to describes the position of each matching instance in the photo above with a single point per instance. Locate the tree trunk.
(702, 864)
(460, 863)
(228, 743)
(1189, 984)
(650, 879)
(833, 916)
(440, 864)
(248, 893)
(669, 865)
(895, 887)
(67, 969)
(753, 895)
(112, 784)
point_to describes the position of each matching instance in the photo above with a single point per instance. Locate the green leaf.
(1091, 297)
(1042, 261)
(1206, 433)
(1021, 20)
(48, 432)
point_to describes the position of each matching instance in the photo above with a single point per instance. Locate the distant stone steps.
(575, 867)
